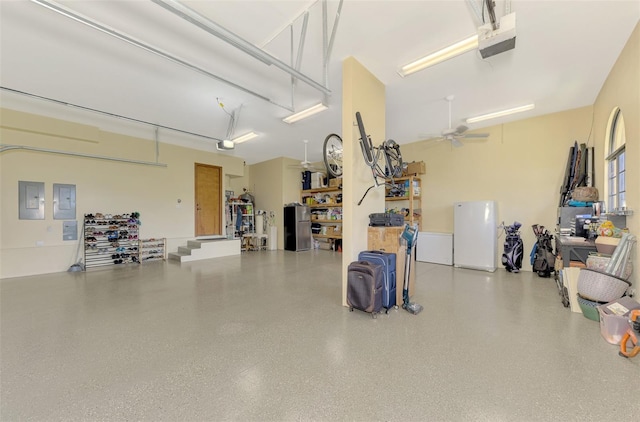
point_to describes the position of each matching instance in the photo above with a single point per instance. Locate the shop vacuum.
(410, 236)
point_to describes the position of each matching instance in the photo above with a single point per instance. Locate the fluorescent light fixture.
(305, 113)
(244, 138)
(225, 145)
(500, 113)
(439, 56)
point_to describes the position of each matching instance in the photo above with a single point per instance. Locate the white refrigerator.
(475, 235)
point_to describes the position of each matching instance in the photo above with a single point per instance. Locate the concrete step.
(206, 249)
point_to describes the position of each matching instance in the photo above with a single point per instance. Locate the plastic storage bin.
(589, 308)
(598, 262)
(614, 320)
(601, 287)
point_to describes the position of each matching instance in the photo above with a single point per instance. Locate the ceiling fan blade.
(456, 143)
(428, 136)
(461, 129)
(476, 135)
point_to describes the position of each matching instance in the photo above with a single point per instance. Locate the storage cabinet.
(404, 197)
(242, 218)
(110, 239)
(152, 249)
(325, 205)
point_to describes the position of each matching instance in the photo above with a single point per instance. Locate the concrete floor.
(263, 337)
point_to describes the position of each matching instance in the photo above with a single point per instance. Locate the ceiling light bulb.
(244, 138)
(500, 113)
(439, 56)
(305, 113)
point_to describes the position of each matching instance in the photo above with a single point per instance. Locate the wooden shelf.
(410, 182)
(326, 205)
(320, 190)
(333, 208)
(402, 179)
(401, 198)
(327, 236)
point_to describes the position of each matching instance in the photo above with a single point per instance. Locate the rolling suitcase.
(388, 262)
(364, 287)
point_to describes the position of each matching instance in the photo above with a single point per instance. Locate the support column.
(363, 92)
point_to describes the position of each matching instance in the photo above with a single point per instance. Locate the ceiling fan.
(455, 135)
(306, 164)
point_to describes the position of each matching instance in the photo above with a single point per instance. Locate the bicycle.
(393, 165)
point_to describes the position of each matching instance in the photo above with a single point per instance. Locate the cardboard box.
(317, 180)
(606, 245)
(325, 246)
(336, 182)
(416, 168)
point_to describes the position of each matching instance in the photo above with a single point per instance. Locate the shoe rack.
(111, 239)
(152, 249)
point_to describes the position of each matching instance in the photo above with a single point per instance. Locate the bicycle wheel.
(393, 158)
(332, 154)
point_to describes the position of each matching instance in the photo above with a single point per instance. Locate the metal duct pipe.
(106, 113)
(5, 147)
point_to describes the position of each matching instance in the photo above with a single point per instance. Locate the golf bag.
(543, 259)
(513, 248)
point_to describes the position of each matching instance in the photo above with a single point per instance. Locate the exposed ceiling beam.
(155, 50)
(225, 35)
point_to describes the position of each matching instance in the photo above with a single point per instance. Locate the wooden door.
(208, 199)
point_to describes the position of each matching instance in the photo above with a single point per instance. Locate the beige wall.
(362, 92)
(275, 183)
(521, 166)
(266, 181)
(522, 163)
(101, 186)
(622, 89)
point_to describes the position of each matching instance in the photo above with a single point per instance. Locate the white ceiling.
(564, 51)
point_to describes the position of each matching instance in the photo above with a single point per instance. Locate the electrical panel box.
(31, 200)
(69, 230)
(64, 201)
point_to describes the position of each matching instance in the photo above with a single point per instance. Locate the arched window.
(616, 188)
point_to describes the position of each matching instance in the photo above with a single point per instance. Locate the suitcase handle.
(379, 252)
(367, 263)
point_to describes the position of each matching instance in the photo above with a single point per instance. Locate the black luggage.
(388, 262)
(385, 219)
(364, 287)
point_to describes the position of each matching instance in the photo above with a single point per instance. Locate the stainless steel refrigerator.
(297, 228)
